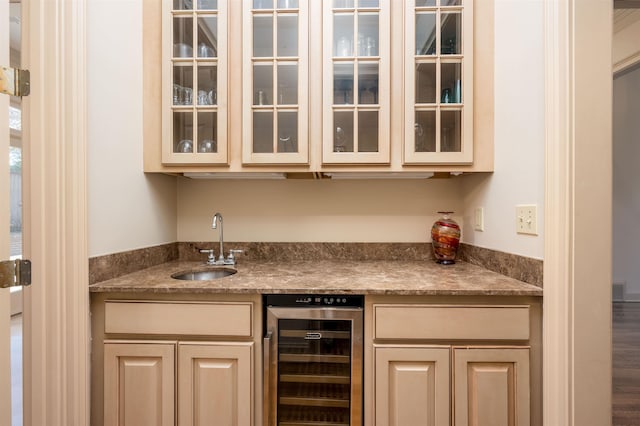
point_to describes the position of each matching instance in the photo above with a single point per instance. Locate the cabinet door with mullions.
(194, 82)
(275, 82)
(439, 83)
(357, 82)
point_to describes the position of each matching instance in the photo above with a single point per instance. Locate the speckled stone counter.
(323, 276)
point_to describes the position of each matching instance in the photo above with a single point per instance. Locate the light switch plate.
(479, 219)
(527, 219)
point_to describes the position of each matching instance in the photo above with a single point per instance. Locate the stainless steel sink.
(203, 275)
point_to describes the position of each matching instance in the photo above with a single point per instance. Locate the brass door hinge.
(15, 273)
(15, 82)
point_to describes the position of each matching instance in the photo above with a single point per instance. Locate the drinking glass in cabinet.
(182, 85)
(368, 131)
(287, 35)
(451, 24)
(183, 131)
(425, 33)
(263, 131)
(368, 34)
(263, 36)
(207, 83)
(425, 131)
(450, 81)
(343, 135)
(207, 131)
(207, 37)
(263, 84)
(287, 131)
(263, 4)
(343, 35)
(183, 37)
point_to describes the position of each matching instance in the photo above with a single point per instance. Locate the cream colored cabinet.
(356, 82)
(139, 382)
(194, 81)
(214, 384)
(411, 385)
(452, 364)
(491, 386)
(275, 82)
(168, 362)
(438, 81)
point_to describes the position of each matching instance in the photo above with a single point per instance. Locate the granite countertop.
(338, 277)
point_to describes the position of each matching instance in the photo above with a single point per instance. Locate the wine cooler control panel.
(316, 300)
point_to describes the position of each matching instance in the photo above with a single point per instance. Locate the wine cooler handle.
(266, 379)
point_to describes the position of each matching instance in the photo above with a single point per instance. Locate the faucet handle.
(233, 253)
(211, 259)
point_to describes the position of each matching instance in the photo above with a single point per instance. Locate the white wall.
(127, 210)
(518, 176)
(626, 181)
(315, 210)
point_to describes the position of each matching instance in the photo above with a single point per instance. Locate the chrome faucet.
(211, 260)
(218, 217)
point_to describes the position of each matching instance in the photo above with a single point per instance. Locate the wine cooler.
(313, 360)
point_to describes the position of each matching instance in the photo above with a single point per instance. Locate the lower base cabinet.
(421, 385)
(213, 383)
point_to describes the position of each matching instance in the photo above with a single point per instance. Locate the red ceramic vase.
(445, 239)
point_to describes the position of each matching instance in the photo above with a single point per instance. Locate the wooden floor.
(626, 364)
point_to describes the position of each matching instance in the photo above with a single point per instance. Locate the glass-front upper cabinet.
(356, 87)
(194, 82)
(275, 82)
(438, 82)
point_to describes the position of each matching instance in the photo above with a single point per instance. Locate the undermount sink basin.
(208, 274)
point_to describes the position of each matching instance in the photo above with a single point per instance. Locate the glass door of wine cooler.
(313, 366)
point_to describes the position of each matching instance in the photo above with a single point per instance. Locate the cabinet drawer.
(206, 319)
(451, 322)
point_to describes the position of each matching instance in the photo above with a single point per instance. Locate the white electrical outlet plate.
(527, 219)
(479, 219)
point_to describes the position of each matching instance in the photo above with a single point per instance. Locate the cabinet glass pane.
(343, 35)
(451, 83)
(207, 4)
(182, 131)
(450, 38)
(343, 131)
(263, 131)
(450, 131)
(287, 84)
(263, 36)
(425, 33)
(451, 2)
(425, 131)
(343, 4)
(287, 131)
(368, 131)
(183, 37)
(287, 35)
(425, 3)
(368, 34)
(182, 85)
(207, 37)
(343, 84)
(287, 4)
(368, 3)
(182, 4)
(207, 85)
(425, 83)
(262, 84)
(263, 4)
(207, 131)
(368, 83)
